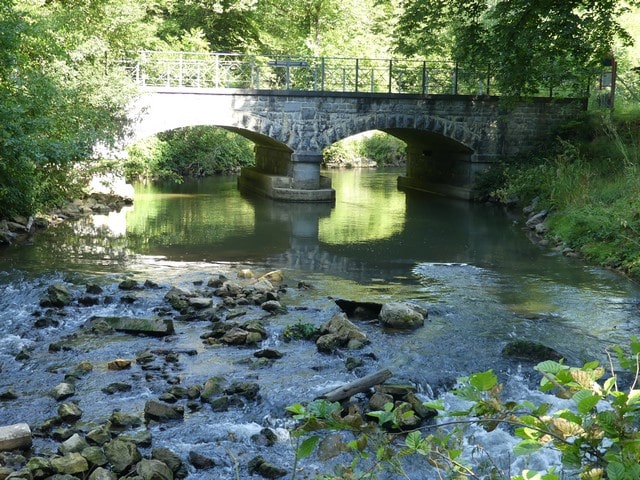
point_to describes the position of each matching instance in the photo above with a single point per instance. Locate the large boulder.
(531, 351)
(57, 296)
(121, 455)
(402, 316)
(340, 332)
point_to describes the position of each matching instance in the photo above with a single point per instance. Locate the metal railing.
(328, 74)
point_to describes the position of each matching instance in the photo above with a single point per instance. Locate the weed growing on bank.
(590, 182)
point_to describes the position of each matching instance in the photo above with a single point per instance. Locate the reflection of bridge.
(294, 108)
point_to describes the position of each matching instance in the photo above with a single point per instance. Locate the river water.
(472, 266)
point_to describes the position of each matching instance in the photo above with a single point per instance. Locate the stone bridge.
(450, 138)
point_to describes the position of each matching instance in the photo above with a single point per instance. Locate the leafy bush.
(189, 152)
(598, 437)
(379, 147)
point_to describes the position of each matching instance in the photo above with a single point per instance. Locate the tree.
(57, 98)
(527, 45)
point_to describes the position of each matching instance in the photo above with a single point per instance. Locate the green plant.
(598, 437)
(300, 331)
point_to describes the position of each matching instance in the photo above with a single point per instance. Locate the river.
(472, 266)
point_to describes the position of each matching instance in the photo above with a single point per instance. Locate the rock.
(402, 315)
(351, 363)
(46, 322)
(246, 389)
(272, 306)
(69, 412)
(93, 289)
(229, 289)
(39, 467)
(129, 284)
(14, 437)
(99, 435)
(265, 469)
(200, 462)
(95, 456)
(541, 229)
(9, 394)
(102, 474)
(216, 281)
(200, 303)
(274, 276)
(359, 310)
(155, 326)
(70, 464)
(178, 298)
(220, 404)
(536, 219)
(330, 447)
(57, 296)
(338, 332)
(266, 437)
(74, 444)
(141, 438)
(235, 336)
(88, 300)
(153, 470)
(117, 387)
(530, 351)
(121, 455)
(268, 353)
(378, 400)
(162, 412)
(124, 420)
(245, 273)
(171, 460)
(212, 388)
(119, 364)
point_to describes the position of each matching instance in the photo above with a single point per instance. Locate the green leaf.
(306, 448)
(413, 440)
(591, 365)
(634, 398)
(586, 401)
(616, 471)
(549, 366)
(527, 433)
(526, 447)
(296, 408)
(483, 381)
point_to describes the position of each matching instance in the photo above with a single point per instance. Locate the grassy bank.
(590, 182)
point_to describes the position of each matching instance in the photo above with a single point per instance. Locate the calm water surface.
(472, 266)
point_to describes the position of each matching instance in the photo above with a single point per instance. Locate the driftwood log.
(360, 385)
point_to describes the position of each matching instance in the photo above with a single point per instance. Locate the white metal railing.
(331, 74)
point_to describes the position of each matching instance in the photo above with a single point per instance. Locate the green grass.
(591, 184)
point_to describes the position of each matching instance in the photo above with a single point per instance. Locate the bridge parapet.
(203, 70)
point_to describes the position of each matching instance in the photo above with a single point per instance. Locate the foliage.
(379, 147)
(591, 184)
(527, 45)
(597, 434)
(57, 102)
(188, 152)
(300, 331)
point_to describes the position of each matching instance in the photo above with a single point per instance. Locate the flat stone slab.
(14, 437)
(155, 327)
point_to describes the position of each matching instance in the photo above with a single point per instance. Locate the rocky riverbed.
(96, 392)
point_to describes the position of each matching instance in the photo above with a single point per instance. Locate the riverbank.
(588, 184)
(104, 194)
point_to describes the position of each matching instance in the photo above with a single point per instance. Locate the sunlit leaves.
(527, 45)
